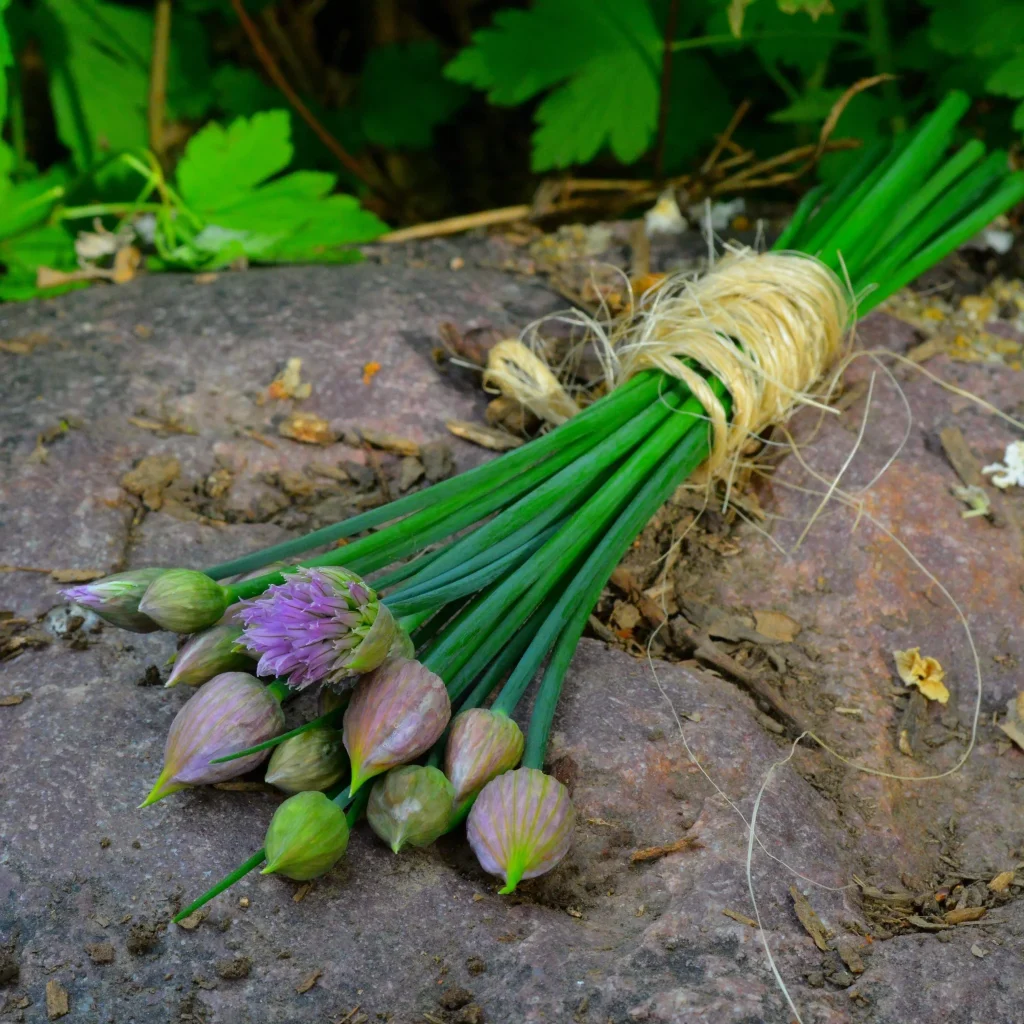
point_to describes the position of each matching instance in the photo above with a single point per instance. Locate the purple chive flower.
(232, 712)
(482, 745)
(115, 599)
(318, 626)
(521, 825)
(396, 713)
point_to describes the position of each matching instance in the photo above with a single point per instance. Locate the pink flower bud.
(397, 712)
(521, 825)
(482, 745)
(231, 712)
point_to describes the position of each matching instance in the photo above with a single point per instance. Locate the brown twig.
(157, 105)
(666, 87)
(840, 105)
(725, 138)
(370, 179)
(453, 225)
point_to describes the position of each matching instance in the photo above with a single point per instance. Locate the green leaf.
(699, 104)
(98, 56)
(404, 95)
(815, 8)
(222, 165)
(811, 108)
(28, 203)
(1008, 78)
(603, 55)
(1018, 117)
(223, 178)
(46, 246)
(6, 60)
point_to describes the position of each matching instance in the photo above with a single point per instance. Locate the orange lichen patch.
(924, 673)
(308, 428)
(370, 370)
(288, 383)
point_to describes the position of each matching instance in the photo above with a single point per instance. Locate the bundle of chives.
(531, 538)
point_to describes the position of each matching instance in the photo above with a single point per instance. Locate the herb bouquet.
(455, 597)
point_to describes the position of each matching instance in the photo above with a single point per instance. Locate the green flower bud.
(308, 835)
(211, 652)
(184, 601)
(313, 760)
(115, 599)
(411, 805)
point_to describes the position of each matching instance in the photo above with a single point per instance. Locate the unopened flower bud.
(396, 713)
(209, 653)
(232, 712)
(411, 805)
(307, 836)
(320, 625)
(115, 599)
(184, 601)
(313, 760)
(482, 745)
(521, 825)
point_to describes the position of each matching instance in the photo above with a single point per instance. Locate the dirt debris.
(143, 937)
(234, 969)
(101, 952)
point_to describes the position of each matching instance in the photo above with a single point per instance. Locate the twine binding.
(768, 325)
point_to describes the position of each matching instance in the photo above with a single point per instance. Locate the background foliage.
(186, 148)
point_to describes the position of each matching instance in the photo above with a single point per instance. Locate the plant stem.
(158, 80)
(225, 883)
(665, 90)
(326, 719)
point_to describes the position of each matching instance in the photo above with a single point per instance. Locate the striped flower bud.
(231, 712)
(482, 745)
(308, 835)
(184, 601)
(313, 760)
(396, 713)
(411, 805)
(211, 652)
(521, 825)
(320, 625)
(115, 599)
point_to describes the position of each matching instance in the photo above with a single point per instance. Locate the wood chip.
(390, 442)
(742, 918)
(809, 919)
(926, 350)
(307, 428)
(10, 700)
(486, 437)
(777, 626)
(656, 852)
(56, 1000)
(1002, 881)
(308, 982)
(925, 925)
(76, 575)
(964, 914)
(850, 956)
(194, 920)
(302, 892)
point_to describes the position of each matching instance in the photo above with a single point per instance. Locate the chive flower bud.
(411, 805)
(308, 835)
(396, 713)
(319, 625)
(231, 712)
(482, 745)
(313, 760)
(521, 825)
(115, 599)
(211, 652)
(184, 601)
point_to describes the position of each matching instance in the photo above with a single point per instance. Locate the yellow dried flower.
(924, 673)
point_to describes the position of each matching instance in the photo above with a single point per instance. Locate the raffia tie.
(767, 325)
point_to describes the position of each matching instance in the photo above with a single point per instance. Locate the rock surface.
(601, 939)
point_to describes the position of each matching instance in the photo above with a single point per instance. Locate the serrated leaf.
(403, 95)
(1008, 78)
(98, 56)
(223, 178)
(222, 165)
(606, 52)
